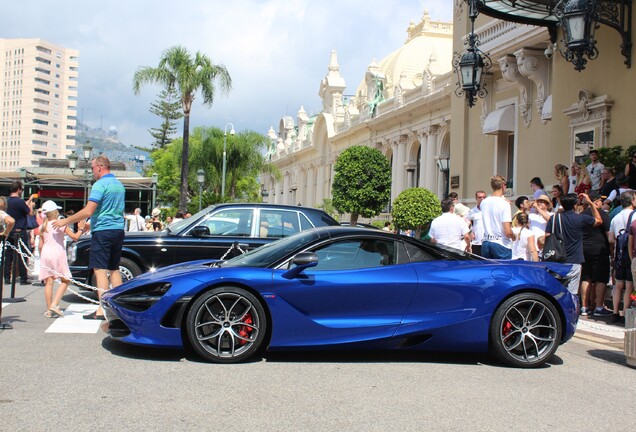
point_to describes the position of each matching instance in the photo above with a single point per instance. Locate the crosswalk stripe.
(73, 320)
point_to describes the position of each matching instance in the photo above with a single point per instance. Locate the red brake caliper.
(506, 328)
(245, 331)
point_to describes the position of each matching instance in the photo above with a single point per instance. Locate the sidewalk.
(601, 330)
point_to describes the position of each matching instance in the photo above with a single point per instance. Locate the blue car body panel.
(429, 305)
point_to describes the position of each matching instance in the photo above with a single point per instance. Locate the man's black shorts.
(106, 249)
(596, 268)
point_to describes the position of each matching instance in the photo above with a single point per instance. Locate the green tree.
(362, 182)
(245, 162)
(168, 108)
(187, 75)
(415, 208)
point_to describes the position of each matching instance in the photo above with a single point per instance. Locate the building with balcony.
(38, 102)
(537, 110)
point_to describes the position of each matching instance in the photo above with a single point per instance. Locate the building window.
(43, 60)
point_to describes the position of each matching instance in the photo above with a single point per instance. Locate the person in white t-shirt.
(450, 229)
(135, 221)
(539, 217)
(5, 220)
(594, 170)
(475, 217)
(523, 247)
(497, 217)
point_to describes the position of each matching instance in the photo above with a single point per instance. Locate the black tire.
(226, 325)
(525, 330)
(128, 269)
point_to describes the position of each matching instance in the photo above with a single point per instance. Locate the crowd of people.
(590, 211)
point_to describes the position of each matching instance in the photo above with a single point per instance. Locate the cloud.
(276, 51)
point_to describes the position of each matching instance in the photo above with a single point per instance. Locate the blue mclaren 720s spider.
(348, 288)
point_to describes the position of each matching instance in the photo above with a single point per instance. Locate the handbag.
(32, 222)
(554, 247)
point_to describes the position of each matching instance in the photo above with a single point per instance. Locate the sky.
(276, 51)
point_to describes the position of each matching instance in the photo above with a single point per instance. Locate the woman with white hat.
(53, 261)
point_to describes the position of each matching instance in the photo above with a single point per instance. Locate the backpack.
(622, 251)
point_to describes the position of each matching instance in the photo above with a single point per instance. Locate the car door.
(450, 292)
(355, 293)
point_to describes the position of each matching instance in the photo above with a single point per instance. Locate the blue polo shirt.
(109, 194)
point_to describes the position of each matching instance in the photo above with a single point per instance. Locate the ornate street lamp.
(201, 180)
(472, 64)
(225, 157)
(578, 20)
(264, 193)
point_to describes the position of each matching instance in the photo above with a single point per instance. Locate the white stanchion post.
(630, 337)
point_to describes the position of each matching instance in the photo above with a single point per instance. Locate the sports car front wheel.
(226, 325)
(525, 330)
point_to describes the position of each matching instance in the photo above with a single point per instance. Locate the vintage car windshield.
(178, 226)
(268, 254)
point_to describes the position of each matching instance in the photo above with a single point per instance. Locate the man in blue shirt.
(105, 207)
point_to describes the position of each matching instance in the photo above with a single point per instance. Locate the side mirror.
(200, 231)
(302, 261)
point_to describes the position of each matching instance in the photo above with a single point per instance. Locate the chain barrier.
(30, 255)
(588, 325)
(235, 245)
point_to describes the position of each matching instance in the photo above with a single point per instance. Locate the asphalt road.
(73, 382)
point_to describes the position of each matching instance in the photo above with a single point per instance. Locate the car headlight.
(71, 252)
(142, 298)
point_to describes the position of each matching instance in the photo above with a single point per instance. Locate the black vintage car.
(219, 231)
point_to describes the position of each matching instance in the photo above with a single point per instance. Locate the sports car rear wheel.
(226, 325)
(525, 330)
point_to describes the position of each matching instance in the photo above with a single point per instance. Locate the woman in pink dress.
(53, 261)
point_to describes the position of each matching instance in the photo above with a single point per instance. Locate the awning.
(546, 111)
(502, 119)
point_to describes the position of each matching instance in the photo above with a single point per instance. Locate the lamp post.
(201, 180)
(73, 158)
(155, 180)
(443, 164)
(264, 193)
(225, 157)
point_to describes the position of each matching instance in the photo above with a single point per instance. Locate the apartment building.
(38, 102)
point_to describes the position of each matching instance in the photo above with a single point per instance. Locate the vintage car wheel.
(525, 330)
(226, 325)
(128, 269)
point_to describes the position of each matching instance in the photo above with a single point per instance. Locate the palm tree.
(178, 70)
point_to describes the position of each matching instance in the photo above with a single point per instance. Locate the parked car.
(219, 231)
(339, 287)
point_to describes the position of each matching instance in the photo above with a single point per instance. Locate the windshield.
(268, 254)
(179, 225)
